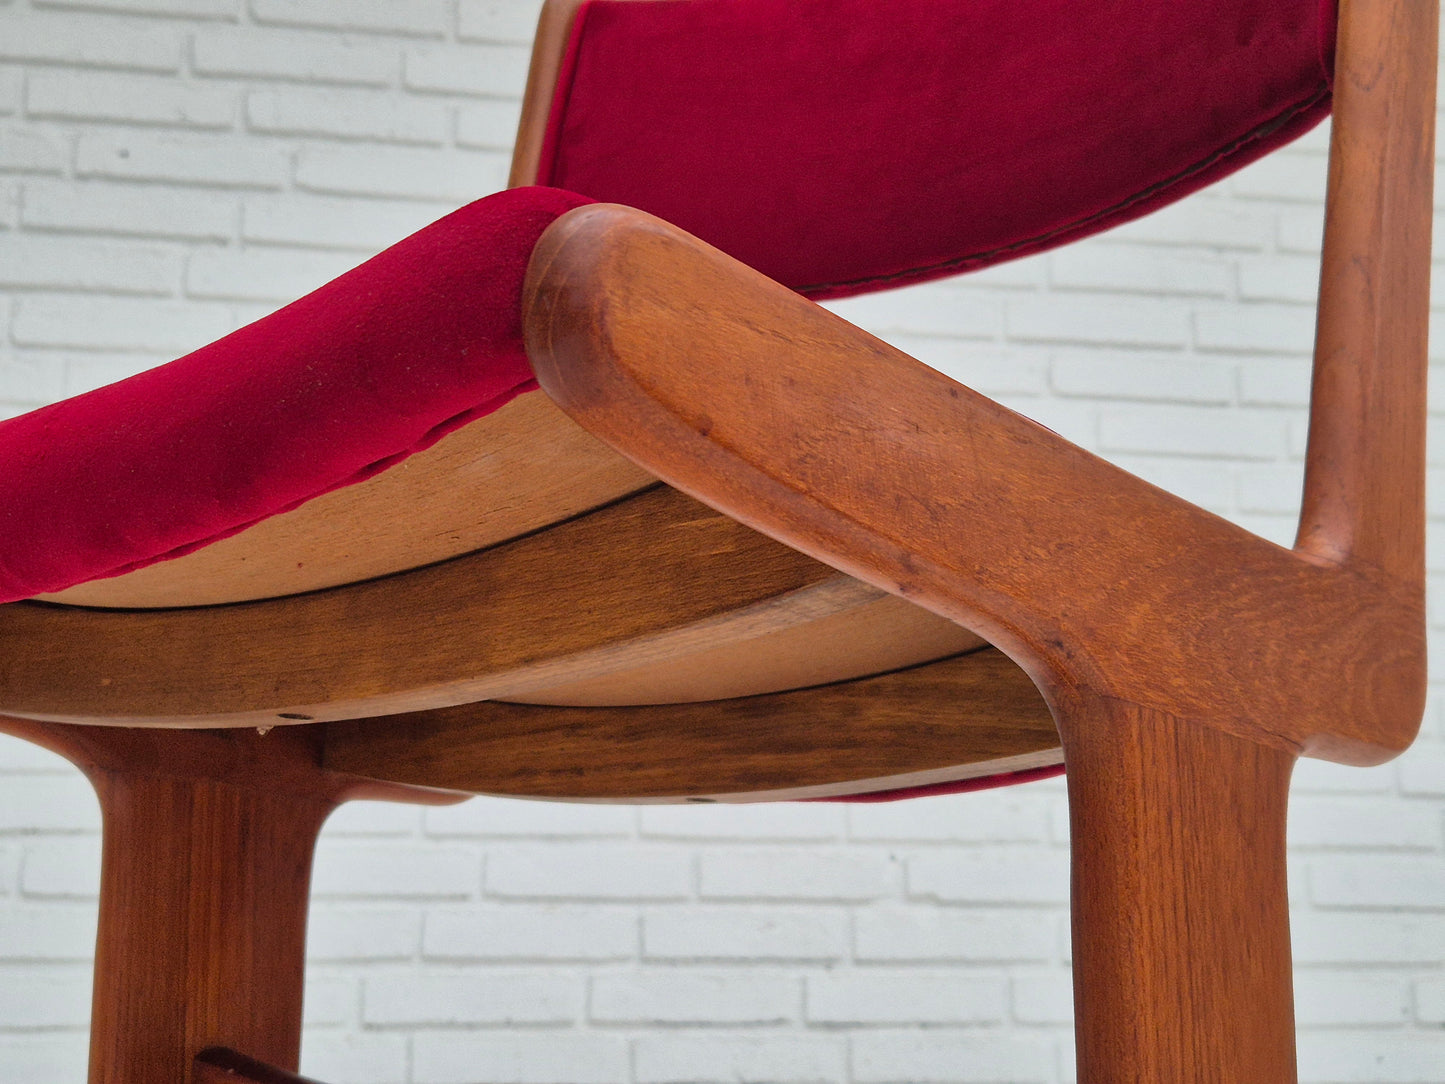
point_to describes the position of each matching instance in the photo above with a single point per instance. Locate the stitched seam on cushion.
(959, 263)
(426, 440)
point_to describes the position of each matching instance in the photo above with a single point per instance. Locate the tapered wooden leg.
(1180, 916)
(202, 932)
(205, 870)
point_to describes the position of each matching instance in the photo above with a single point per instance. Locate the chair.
(367, 563)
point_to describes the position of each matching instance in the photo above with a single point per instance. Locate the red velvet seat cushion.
(842, 145)
(331, 389)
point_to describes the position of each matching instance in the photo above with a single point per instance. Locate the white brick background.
(170, 169)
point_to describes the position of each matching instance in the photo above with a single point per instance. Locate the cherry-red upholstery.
(845, 145)
(331, 389)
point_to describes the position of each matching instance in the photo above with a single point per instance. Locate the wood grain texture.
(1364, 496)
(206, 857)
(643, 581)
(878, 635)
(202, 924)
(1181, 926)
(280, 758)
(866, 459)
(960, 718)
(521, 469)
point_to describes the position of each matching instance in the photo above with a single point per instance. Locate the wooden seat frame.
(1184, 662)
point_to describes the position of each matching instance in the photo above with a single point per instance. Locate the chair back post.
(554, 27)
(1365, 467)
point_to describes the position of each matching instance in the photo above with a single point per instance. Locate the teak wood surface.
(1084, 574)
(971, 715)
(207, 843)
(864, 458)
(647, 583)
(1184, 661)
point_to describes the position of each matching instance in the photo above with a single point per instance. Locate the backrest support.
(841, 146)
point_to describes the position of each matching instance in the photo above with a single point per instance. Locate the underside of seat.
(968, 718)
(519, 560)
(578, 591)
(652, 598)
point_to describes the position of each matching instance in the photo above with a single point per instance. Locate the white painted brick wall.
(671, 996)
(172, 168)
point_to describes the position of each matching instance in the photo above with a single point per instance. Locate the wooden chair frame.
(1185, 662)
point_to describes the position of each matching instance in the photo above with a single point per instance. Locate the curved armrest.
(786, 417)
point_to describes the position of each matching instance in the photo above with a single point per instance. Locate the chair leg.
(202, 923)
(1180, 916)
(204, 884)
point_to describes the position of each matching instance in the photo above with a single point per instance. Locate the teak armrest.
(784, 416)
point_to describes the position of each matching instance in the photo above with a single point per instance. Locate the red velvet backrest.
(846, 145)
